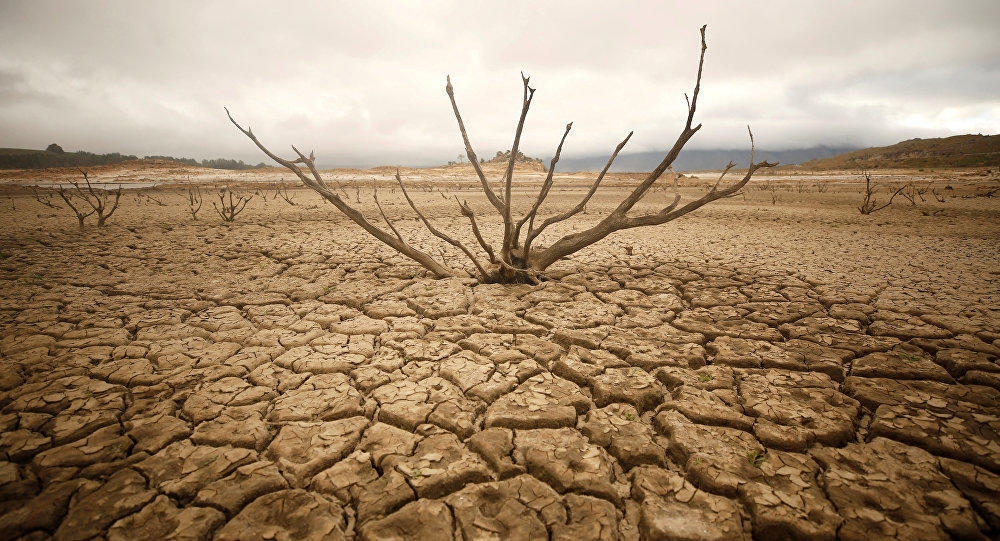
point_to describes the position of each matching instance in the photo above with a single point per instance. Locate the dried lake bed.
(773, 365)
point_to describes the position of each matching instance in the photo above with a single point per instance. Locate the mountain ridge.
(698, 159)
(954, 151)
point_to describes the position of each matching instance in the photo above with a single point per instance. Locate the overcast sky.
(362, 83)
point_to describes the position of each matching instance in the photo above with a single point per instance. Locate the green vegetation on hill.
(19, 158)
(55, 156)
(956, 151)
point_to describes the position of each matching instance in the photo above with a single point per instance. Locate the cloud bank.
(363, 83)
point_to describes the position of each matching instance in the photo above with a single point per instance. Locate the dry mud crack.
(316, 387)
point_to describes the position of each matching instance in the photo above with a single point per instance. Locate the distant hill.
(956, 151)
(698, 160)
(22, 158)
(55, 156)
(502, 158)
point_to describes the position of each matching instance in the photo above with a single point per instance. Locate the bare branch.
(45, 199)
(151, 199)
(693, 103)
(669, 214)
(468, 213)
(544, 191)
(386, 218)
(508, 177)
(312, 183)
(618, 220)
(532, 232)
(311, 164)
(104, 212)
(229, 207)
(471, 153)
(870, 203)
(67, 196)
(424, 259)
(194, 201)
(282, 191)
(724, 171)
(509, 240)
(686, 134)
(434, 231)
(96, 198)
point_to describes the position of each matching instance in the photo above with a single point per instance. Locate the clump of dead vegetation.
(231, 203)
(870, 203)
(83, 200)
(280, 190)
(195, 201)
(911, 192)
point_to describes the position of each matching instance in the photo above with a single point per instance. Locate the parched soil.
(786, 370)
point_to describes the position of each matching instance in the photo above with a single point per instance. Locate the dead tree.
(194, 201)
(98, 199)
(230, 204)
(771, 188)
(518, 258)
(81, 211)
(46, 198)
(151, 199)
(911, 193)
(282, 191)
(870, 204)
(987, 192)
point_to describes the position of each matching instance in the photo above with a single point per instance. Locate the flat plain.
(774, 365)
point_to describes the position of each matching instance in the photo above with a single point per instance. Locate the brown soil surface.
(753, 370)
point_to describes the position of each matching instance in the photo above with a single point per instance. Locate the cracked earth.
(753, 371)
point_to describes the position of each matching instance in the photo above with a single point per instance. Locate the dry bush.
(911, 193)
(100, 201)
(282, 191)
(46, 197)
(870, 203)
(151, 200)
(771, 188)
(231, 203)
(194, 201)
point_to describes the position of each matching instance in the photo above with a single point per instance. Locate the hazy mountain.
(697, 160)
(955, 151)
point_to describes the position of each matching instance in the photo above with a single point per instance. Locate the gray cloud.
(363, 83)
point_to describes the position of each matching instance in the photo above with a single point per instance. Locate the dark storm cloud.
(363, 83)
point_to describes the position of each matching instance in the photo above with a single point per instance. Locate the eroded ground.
(754, 370)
